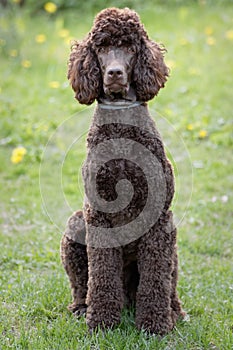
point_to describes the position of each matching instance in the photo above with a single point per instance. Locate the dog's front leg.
(105, 287)
(155, 265)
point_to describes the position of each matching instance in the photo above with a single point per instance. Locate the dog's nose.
(115, 73)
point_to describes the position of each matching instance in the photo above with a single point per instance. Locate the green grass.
(194, 115)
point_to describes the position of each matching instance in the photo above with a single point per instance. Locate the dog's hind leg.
(75, 262)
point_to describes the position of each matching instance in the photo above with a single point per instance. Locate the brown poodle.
(121, 250)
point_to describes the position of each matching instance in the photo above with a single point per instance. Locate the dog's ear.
(84, 72)
(150, 71)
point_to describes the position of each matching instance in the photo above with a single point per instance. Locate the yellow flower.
(40, 38)
(169, 111)
(13, 53)
(26, 64)
(63, 33)
(202, 134)
(229, 34)
(190, 127)
(208, 30)
(54, 84)
(15, 159)
(20, 150)
(68, 40)
(50, 7)
(17, 154)
(211, 40)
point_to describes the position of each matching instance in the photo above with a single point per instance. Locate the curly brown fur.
(117, 62)
(118, 28)
(74, 259)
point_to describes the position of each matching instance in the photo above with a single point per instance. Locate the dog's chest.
(125, 174)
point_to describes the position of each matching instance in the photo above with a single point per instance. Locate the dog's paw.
(102, 319)
(78, 310)
(152, 327)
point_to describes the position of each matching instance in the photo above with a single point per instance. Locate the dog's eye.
(130, 49)
(102, 49)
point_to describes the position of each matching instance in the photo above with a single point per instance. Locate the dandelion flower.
(63, 33)
(202, 134)
(211, 40)
(208, 30)
(13, 53)
(15, 159)
(169, 111)
(190, 127)
(26, 64)
(229, 34)
(20, 150)
(40, 38)
(50, 7)
(68, 40)
(54, 84)
(17, 154)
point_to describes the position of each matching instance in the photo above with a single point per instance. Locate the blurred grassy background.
(42, 140)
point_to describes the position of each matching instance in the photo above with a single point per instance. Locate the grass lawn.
(40, 182)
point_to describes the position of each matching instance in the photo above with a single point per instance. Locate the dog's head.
(117, 60)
